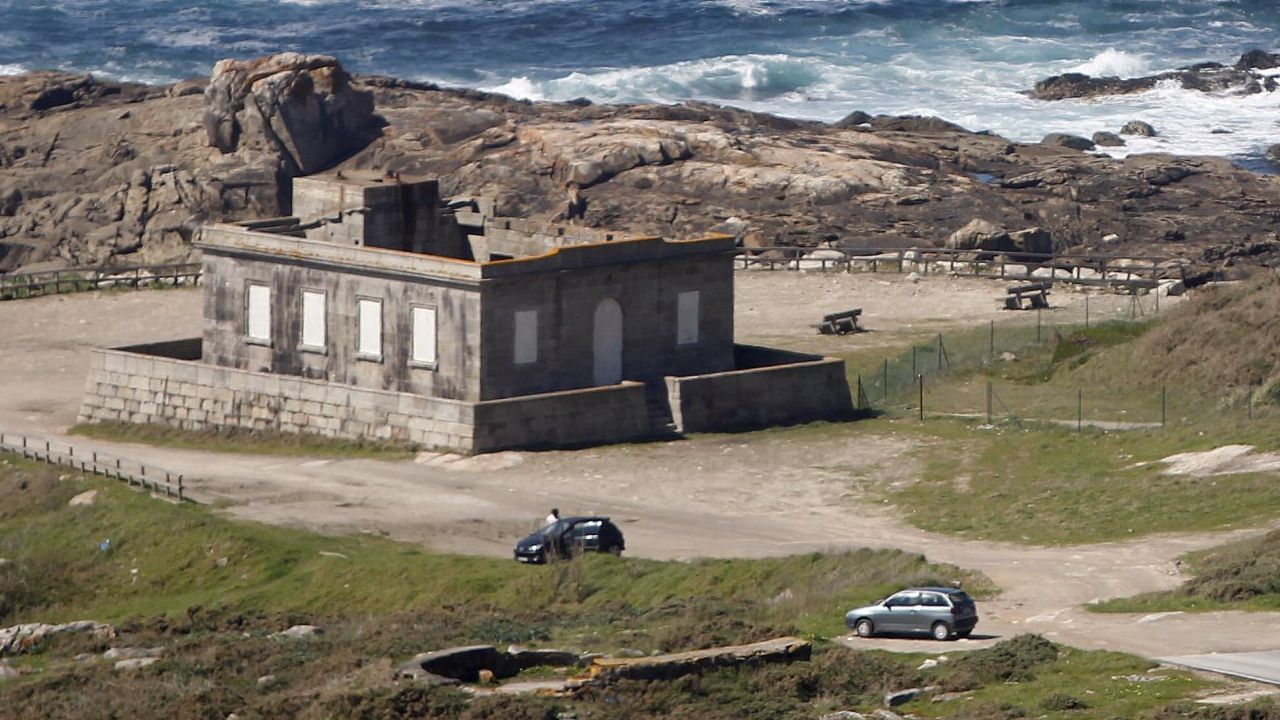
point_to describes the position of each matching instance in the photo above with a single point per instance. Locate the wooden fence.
(1106, 270)
(52, 282)
(158, 481)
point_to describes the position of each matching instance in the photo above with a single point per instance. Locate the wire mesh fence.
(960, 374)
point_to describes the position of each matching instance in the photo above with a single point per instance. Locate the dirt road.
(752, 494)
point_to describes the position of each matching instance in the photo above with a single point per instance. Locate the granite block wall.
(130, 387)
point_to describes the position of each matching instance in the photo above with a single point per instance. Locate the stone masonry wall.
(133, 387)
(130, 387)
(592, 416)
(784, 394)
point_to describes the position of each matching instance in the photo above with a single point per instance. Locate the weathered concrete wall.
(395, 215)
(757, 397)
(566, 303)
(131, 387)
(455, 375)
(593, 416)
(517, 237)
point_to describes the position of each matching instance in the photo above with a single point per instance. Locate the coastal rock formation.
(127, 174)
(299, 107)
(1205, 77)
(1138, 127)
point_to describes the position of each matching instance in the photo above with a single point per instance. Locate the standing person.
(554, 516)
(577, 209)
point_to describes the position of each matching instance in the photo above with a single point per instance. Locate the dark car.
(570, 536)
(944, 613)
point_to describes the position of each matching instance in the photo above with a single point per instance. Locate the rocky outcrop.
(1205, 77)
(667, 667)
(126, 178)
(987, 236)
(1107, 139)
(21, 638)
(1139, 128)
(301, 108)
(1075, 142)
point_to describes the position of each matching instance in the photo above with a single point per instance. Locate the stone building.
(378, 311)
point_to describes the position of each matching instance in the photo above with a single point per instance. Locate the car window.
(903, 599)
(590, 527)
(934, 600)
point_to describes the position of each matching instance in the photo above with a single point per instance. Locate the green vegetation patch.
(130, 555)
(1243, 575)
(237, 440)
(1048, 485)
(211, 591)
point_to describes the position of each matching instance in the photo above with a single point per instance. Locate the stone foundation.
(135, 387)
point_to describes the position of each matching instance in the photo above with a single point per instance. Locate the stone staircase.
(661, 423)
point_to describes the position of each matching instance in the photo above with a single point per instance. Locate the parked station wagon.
(944, 613)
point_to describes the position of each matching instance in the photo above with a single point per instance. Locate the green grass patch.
(163, 559)
(1050, 486)
(210, 590)
(236, 440)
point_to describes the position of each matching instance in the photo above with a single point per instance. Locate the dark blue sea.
(964, 60)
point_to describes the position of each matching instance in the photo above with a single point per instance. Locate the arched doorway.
(606, 343)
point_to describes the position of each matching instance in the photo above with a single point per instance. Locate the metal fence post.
(992, 344)
(920, 382)
(885, 386)
(988, 402)
(939, 353)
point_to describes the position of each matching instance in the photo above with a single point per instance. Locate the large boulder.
(1075, 142)
(1103, 138)
(1032, 240)
(978, 235)
(1139, 128)
(1258, 60)
(301, 107)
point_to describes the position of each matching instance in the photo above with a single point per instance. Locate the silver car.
(944, 613)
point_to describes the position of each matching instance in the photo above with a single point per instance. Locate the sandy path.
(753, 494)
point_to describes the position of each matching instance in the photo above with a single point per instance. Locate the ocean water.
(963, 60)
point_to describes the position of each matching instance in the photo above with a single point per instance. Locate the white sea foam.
(1114, 63)
(11, 69)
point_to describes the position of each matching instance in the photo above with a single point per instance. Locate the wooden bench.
(841, 323)
(1031, 296)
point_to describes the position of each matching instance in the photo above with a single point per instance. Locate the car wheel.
(963, 634)
(941, 631)
(864, 628)
(615, 551)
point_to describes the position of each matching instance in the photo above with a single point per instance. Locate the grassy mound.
(1243, 575)
(1227, 338)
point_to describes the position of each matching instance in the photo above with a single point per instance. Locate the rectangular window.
(526, 337)
(258, 309)
(313, 320)
(687, 318)
(370, 319)
(424, 336)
